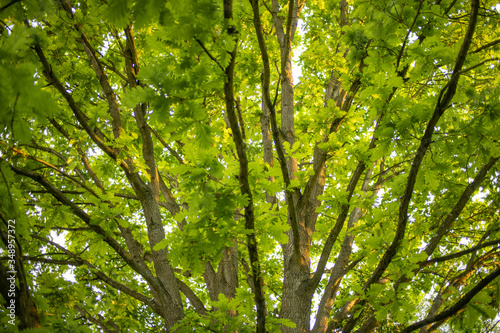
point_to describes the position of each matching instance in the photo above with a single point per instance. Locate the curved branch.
(102, 276)
(193, 298)
(484, 47)
(459, 254)
(455, 308)
(80, 213)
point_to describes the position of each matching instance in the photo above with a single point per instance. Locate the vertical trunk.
(225, 280)
(296, 301)
(285, 39)
(287, 107)
(170, 297)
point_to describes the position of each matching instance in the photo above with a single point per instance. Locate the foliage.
(167, 169)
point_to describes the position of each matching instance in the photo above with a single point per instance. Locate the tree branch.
(335, 231)
(54, 261)
(408, 35)
(81, 117)
(166, 145)
(459, 206)
(98, 321)
(258, 280)
(275, 131)
(73, 179)
(83, 157)
(102, 276)
(56, 193)
(443, 101)
(459, 254)
(193, 298)
(114, 109)
(455, 308)
(488, 45)
(209, 54)
(8, 5)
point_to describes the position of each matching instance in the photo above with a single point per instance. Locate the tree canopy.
(250, 166)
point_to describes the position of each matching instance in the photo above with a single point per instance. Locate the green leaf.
(160, 245)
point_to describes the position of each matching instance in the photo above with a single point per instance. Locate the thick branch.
(193, 298)
(169, 294)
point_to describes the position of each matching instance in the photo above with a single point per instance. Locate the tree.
(166, 168)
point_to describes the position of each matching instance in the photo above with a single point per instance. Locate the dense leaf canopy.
(250, 166)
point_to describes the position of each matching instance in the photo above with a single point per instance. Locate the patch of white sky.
(59, 237)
